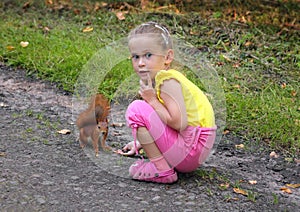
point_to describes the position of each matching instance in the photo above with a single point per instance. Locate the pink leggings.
(185, 150)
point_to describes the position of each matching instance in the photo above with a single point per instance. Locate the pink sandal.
(146, 171)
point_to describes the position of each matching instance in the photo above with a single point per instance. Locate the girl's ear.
(169, 57)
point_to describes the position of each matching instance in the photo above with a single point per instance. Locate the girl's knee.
(137, 106)
(137, 113)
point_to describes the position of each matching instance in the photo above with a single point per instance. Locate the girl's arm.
(173, 112)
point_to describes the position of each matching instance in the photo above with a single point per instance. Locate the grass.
(254, 48)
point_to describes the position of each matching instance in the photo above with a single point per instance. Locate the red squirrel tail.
(97, 111)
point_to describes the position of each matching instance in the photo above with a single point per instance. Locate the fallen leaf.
(248, 43)
(236, 65)
(235, 199)
(236, 86)
(252, 182)
(273, 155)
(120, 15)
(26, 5)
(46, 30)
(117, 124)
(10, 48)
(224, 185)
(226, 58)
(286, 190)
(2, 154)
(88, 29)
(193, 32)
(240, 146)
(283, 85)
(76, 11)
(225, 132)
(64, 131)
(219, 63)
(49, 2)
(24, 43)
(144, 4)
(240, 191)
(243, 19)
(294, 93)
(293, 185)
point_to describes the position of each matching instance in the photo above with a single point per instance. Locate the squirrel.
(94, 121)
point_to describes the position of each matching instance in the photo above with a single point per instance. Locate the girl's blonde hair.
(153, 28)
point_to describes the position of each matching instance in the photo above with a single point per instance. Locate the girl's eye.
(135, 57)
(148, 55)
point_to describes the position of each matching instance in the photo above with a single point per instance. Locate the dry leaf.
(252, 182)
(240, 191)
(240, 146)
(283, 85)
(293, 185)
(2, 154)
(225, 132)
(88, 29)
(224, 185)
(236, 86)
(236, 65)
(120, 16)
(76, 11)
(193, 32)
(294, 93)
(248, 43)
(234, 199)
(24, 43)
(226, 58)
(273, 155)
(49, 2)
(117, 124)
(26, 5)
(10, 48)
(219, 63)
(243, 19)
(286, 190)
(64, 131)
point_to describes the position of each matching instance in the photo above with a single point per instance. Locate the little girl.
(174, 123)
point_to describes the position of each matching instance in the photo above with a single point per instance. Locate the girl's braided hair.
(154, 28)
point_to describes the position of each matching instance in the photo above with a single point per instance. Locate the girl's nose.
(141, 62)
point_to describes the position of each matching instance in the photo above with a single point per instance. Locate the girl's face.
(148, 58)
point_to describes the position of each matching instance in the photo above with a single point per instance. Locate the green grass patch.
(253, 46)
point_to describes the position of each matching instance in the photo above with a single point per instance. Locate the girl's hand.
(129, 149)
(147, 91)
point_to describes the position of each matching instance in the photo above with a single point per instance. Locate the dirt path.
(42, 170)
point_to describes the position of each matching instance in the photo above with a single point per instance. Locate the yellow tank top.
(198, 108)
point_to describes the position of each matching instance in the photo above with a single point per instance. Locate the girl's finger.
(149, 80)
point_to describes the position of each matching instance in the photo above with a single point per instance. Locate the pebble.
(156, 198)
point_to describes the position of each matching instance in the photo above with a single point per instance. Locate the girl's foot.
(147, 171)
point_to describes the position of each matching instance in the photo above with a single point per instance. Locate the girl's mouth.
(143, 72)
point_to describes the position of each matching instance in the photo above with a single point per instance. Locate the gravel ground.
(42, 170)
